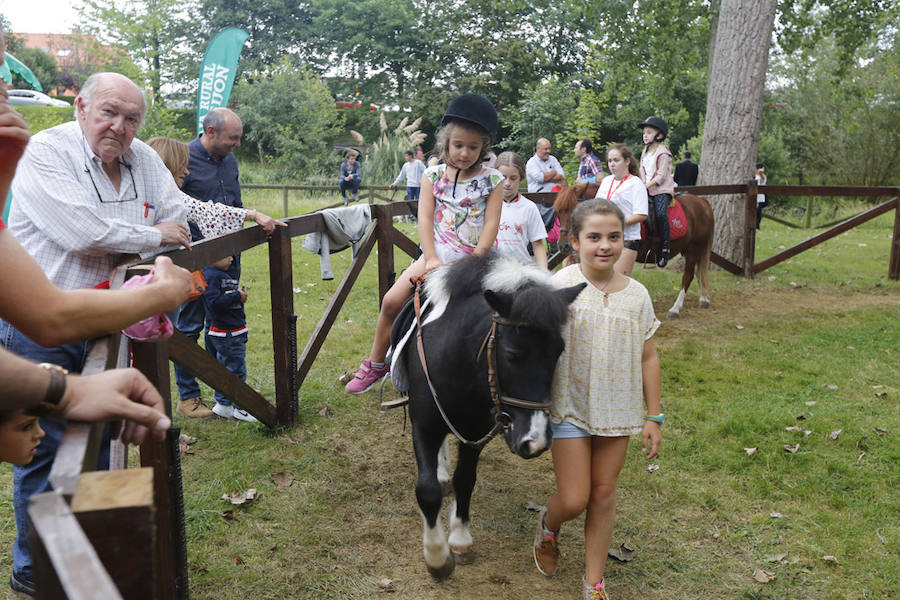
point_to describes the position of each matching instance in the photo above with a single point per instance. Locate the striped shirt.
(68, 215)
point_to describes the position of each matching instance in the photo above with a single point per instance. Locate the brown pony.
(695, 245)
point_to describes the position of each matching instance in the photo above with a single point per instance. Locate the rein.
(502, 420)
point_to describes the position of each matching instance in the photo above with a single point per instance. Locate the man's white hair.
(86, 93)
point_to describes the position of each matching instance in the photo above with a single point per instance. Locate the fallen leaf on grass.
(238, 498)
(879, 536)
(801, 417)
(860, 457)
(534, 506)
(386, 585)
(792, 428)
(811, 403)
(652, 468)
(750, 451)
(326, 411)
(830, 559)
(624, 553)
(185, 449)
(283, 479)
(835, 434)
(228, 515)
(186, 439)
(806, 432)
(763, 576)
(792, 448)
(739, 326)
(776, 515)
(778, 558)
(880, 430)
(880, 394)
(877, 386)
(830, 386)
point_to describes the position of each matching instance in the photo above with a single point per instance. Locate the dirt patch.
(387, 528)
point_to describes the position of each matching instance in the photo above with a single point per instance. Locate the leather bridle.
(502, 420)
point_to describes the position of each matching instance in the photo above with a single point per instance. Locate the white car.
(34, 98)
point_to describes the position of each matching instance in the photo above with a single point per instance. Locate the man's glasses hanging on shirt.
(129, 196)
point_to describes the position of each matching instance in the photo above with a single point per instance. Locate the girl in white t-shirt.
(625, 189)
(520, 220)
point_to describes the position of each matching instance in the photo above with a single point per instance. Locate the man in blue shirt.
(213, 177)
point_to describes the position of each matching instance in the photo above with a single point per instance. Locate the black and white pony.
(477, 314)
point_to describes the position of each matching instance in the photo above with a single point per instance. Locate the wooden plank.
(545, 198)
(404, 243)
(284, 328)
(829, 190)
(713, 190)
(186, 352)
(384, 222)
(555, 260)
(726, 264)
(334, 307)
(826, 235)
(171, 581)
(116, 512)
(65, 563)
(749, 228)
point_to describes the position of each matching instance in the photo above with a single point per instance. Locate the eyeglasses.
(128, 198)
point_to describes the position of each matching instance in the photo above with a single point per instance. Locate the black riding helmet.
(474, 109)
(657, 124)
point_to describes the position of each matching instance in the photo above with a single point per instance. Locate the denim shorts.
(633, 245)
(567, 430)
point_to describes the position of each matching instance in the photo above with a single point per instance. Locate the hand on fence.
(174, 234)
(117, 395)
(265, 221)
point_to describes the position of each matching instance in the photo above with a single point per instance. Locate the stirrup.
(647, 263)
(395, 403)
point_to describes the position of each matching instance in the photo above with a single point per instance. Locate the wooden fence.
(88, 545)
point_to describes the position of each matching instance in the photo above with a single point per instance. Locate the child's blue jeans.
(231, 351)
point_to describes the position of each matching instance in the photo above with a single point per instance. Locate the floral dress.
(459, 210)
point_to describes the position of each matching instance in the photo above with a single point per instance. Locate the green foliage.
(386, 154)
(289, 115)
(40, 118)
(42, 65)
(542, 112)
(151, 30)
(161, 121)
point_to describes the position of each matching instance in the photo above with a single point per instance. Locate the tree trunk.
(737, 76)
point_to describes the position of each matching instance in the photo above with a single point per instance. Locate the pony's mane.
(533, 299)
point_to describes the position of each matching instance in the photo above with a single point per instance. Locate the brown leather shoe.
(194, 408)
(546, 548)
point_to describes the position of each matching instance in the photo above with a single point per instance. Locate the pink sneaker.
(366, 377)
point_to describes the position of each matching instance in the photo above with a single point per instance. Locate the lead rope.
(498, 427)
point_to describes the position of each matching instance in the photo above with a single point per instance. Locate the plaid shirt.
(68, 215)
(590, 167)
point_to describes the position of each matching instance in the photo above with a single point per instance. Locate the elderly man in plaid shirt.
(85, 194)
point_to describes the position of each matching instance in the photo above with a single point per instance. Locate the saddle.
(678, 223)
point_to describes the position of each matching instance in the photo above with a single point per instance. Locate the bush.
(40, 118)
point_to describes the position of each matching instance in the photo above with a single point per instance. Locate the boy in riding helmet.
(656, 172)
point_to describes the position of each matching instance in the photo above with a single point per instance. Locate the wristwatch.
(55, 391)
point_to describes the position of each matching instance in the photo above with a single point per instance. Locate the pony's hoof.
(443, 572)
(673, 315)
(704, 304)
(463, 555)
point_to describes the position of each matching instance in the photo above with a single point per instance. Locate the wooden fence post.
(894, 268)
(152, 359)
(384, 223)
(284, 202)
(284, 327)
(750, 228)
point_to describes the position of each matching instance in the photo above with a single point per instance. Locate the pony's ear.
(570, 293)
(501, 303)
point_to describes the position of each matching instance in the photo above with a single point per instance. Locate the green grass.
(822, 327)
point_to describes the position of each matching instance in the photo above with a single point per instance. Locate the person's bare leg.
(607, 458)
(625, 264)
(390, 307)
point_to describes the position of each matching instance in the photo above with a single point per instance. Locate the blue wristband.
(660, 418)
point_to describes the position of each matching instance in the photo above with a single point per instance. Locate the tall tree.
(734, 107)
(152, 32)
(42, 65)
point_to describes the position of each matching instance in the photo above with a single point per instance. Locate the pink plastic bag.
(152, 329)
(553, 232)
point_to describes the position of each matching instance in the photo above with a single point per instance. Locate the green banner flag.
(6, 207)
(217, 71)
(17, 67)
(5, 75)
